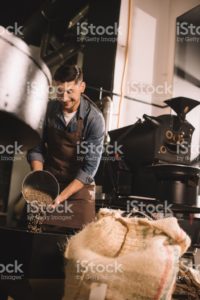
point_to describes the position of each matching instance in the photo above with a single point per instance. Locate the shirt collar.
(83, 108)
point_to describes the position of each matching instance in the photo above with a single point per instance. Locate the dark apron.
(61, 161)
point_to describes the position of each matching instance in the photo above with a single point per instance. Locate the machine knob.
(163, 149)
(169, 134)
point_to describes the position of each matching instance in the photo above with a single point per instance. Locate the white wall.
(151, 52)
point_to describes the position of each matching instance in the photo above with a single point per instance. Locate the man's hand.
(71, 189)
(57, 201)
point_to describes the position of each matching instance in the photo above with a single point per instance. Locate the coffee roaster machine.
(152, 166)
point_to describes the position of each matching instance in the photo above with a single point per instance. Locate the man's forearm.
(36, 165)
(71, 189)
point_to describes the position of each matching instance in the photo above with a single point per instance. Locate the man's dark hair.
(68, 73)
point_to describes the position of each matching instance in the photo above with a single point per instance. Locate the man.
(72, 121)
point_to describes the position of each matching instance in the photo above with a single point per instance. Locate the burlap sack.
(117, 258)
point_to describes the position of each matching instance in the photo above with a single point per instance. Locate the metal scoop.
(40, 186)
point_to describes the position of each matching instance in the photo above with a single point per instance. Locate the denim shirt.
(93, 136)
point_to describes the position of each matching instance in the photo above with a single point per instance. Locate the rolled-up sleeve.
(93, 146)
(36, 153)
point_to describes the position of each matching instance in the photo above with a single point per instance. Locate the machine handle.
(152, 120)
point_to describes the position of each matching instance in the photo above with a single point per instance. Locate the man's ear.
(82, 86)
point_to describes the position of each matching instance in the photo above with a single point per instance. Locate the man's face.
(69, 93)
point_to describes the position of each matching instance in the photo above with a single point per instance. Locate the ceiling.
(57, 13)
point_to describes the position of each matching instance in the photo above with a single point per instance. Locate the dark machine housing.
(156, 159)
